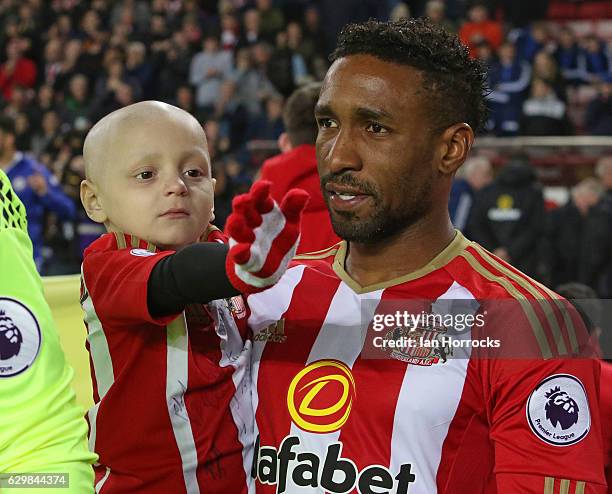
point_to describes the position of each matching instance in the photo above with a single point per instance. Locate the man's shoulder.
(493, 278)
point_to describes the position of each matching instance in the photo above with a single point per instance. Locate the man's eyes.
(376, 128)
(327, 123)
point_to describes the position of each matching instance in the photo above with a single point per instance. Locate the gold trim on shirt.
(452, 250)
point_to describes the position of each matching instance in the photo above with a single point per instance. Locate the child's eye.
(194, 173)
(146, 175)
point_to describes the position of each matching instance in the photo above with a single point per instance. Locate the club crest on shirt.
(558, 410)
(421, 345)
(275, 333)
(20, 337)
(237, 307)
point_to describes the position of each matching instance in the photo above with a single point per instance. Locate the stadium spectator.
(269, 126)
(598, 119)
(314, 33)
(509, 80)
(568, 250)
(44, 138)
(77, 105)
(543, 112)
(252, 83)
(599, 235)
(530, 40)
(475, 174)
(296, 167)
(567, 54)
(37, 188)
(17, 70)
(251, 31)
(546, 68)
(435, 10)
(507, 216)
(593, 59)
(208, 70)
(230, 31)
(479, 27)
(271, 20)
(231, 114)
(138, 68)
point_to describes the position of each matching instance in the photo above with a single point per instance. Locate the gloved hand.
(263, 236)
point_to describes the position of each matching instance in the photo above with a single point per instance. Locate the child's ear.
(91, 202)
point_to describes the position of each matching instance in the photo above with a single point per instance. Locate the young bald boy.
(170, 360)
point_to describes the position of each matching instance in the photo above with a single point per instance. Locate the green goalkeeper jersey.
(42, 430)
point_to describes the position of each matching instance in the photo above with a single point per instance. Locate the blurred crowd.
(555, 244)
(64, 64)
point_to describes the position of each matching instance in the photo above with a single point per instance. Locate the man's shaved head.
(114, 128)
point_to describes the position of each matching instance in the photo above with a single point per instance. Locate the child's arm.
(263, 240)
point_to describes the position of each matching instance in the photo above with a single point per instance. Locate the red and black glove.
(263, 236)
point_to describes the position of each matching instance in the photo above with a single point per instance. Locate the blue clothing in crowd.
(509, 84)
(460, 202)
(54, 200)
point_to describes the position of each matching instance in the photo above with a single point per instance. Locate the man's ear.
(284, 144)
(456, 142)
(91, 202)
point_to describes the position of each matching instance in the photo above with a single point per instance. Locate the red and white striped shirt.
(332, 416)
(172, 409)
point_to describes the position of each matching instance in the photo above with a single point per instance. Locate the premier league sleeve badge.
(20, 337)
(558, 410)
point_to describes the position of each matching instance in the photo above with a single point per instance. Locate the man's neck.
(408, 251)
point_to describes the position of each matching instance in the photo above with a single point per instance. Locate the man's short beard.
(384, 222)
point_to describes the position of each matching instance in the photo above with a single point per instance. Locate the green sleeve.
(41, 427)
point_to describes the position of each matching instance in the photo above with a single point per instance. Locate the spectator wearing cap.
(17, 70)
(37, 188)
(208, 70)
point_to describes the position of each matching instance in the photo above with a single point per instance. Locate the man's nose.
(341, 153)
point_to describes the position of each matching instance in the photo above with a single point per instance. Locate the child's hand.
(263, 236)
